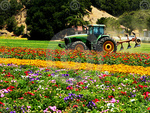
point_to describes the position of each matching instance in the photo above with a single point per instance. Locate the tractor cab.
(96, 30)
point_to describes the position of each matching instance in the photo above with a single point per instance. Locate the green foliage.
(102, 21)
(128, 21)
(135, 20)
(1, 22)
(48, 18)
(148, 23)
(11, 24)
(6, 16)
(19, 30)
(117, 7)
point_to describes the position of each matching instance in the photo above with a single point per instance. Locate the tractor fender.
(102, 36)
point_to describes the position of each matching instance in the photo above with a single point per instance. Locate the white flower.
(106, 72)
(55, 76)
(132, 100)
(110, 105)
(41, 81)
(88, 85)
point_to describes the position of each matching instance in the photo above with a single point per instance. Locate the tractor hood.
(77, 35)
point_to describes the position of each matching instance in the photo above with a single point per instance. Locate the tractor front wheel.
(106, 44)
(78, 45)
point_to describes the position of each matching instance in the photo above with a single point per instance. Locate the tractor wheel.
(106, 44)
(78, 45)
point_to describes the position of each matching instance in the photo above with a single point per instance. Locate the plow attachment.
(137, 42)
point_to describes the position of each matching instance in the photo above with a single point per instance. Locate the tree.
(49, 17)
(11, 24)
(148, 23)
(102, 21)
(117, 7)
(128, 21)
(6, 16)
(19, 30)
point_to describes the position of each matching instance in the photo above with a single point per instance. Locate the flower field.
(44, 80)
(134, 59)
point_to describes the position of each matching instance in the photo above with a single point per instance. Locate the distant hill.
(96, 14)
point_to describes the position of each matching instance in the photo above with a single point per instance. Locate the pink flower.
(113, 89)
(2, 95)
(113, 100)
(53, 108)
(28, 107)
(45, 110)
(117, 101)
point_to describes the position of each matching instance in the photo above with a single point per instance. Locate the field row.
(133, 59)
(145, 47)
(31, 89)
(121, 68)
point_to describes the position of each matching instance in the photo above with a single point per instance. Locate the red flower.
(2, 103)
(49, 75)
(148, 108)
(6, 81)
(106, 81)
(69, 87)
(29, 93)
(124, 93)
(75, 106)
(56, 85)
(10, 88)
(141, 86)
(46, 96)
(145, 86)
(77, 100)
(9, 75)
(135, 82)
(77, 89)
(110, 96)
(20, 98)
(26, 72)
(146, 94)
(96, 100)
(80, 83)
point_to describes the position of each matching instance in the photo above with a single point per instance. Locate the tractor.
(95, 39)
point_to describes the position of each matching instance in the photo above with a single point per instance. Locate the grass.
(29, 43)
(144, 48)
(18, 42)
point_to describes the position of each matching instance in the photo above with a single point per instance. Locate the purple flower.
(53, 74)
(91, 104)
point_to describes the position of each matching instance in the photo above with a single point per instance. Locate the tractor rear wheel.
(78, 45)
(106, 44)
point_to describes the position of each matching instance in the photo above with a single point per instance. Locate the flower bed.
(33, 89)
(121, 68)
(134, 59)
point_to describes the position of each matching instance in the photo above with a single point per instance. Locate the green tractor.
(93, 40)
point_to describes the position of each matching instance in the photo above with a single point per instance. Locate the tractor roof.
(96, 25)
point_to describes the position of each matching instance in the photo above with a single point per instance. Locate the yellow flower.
(121, 68)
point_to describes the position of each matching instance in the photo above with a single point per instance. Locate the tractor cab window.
(96, 30)
(90, 30)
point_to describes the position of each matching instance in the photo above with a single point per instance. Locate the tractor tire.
(78, 45)
(106, 44)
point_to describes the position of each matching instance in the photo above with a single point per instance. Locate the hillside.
(96, 14)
